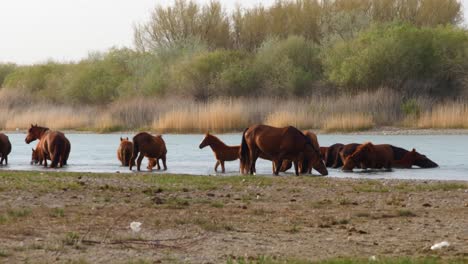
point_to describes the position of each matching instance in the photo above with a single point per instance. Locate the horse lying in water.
(277, 145)
(386, 156)
(370, 156)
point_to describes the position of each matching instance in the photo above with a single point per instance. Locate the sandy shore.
(200, 219)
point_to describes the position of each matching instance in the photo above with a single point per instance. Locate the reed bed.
(349, 122)
(180, 115)
(446, 115)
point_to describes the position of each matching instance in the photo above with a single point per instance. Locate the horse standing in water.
(278, 144)
(147, 145)
(403, 158)
(5, 148)
(52, 144)
(221, 151)
(125, 150)
(37, 156)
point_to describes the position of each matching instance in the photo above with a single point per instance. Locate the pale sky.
(34, 31)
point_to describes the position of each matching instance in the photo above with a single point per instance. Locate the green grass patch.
(370, 186)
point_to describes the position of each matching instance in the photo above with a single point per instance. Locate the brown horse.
(344, 152)
(124, 151)
(221, 151)
(153, 163)
(5, 148)
(403, 158)
(53, 144)
(304, 163)
(147, 145)
(278, 144)
(332, 156)
(370, 156)
(323, 153)
(37, 156)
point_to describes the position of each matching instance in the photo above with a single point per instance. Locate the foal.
(221, 151)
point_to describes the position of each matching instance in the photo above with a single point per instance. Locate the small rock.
(292, 200)
(244, 207)
(426, 205)
(210, 194)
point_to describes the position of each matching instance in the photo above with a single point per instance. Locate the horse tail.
(244, 153)
(123, 156)
(136, 149)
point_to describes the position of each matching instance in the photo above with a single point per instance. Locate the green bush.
(5, 69)
(392, 54)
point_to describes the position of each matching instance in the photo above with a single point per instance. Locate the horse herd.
(285, 147)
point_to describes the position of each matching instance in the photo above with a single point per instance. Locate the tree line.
(291, 48)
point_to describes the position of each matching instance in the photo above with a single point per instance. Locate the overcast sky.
(34, 31)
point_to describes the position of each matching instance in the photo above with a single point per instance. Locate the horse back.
(151, 146)
(5, 144)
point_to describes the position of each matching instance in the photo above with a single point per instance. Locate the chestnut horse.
(403, 158)
(344, 152)
(124, 151)
(5, 148)
(278, 144)
(53, 144)
(221, 151)
(370, 156)
(147, 145)
(37, 156)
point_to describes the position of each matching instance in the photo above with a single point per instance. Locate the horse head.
(34, 157)
(315, 159)
(206, 140)
(35, 132)
(422, 161)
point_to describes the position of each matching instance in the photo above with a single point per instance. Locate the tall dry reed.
(446, 115)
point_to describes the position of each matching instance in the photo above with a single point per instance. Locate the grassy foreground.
(85, 218)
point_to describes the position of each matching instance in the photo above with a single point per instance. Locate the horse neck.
(216, 144)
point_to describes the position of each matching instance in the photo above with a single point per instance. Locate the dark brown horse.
(221, 151)
(5, 148)
(53, 144)
(403, 158)
(323, 153)
(124, 151)
(370, 156)
(278, 144)
(304, 165)
(332, 156)
(147, 145)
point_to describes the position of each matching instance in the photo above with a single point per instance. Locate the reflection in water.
(98, 153)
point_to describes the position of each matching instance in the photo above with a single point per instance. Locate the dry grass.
(180, 115)
(447, 115)
(217, 116)
(349, 122)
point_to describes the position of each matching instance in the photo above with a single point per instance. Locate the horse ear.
(414, 150)
(32, 149)
(127, 138)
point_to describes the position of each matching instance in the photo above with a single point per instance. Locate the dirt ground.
(85, 218)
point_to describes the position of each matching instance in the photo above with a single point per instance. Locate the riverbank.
(85, 218)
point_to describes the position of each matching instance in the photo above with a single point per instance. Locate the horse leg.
(1, 161)
(216, 165)
(157, 164)
(222, 166)
(6, 160)
(139, 160)
(163, 158)
(296, 167)
(273, 164)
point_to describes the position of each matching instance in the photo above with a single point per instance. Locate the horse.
(153, 163)
(147, 145)
(37, 155)
(124, 151)
(370, 156)
(343, 153)
(403, 158)
(332, 156)
(53, 144)
(304, 163)
(278, 144)
(5, 148)
(221, 151)
(323, 153)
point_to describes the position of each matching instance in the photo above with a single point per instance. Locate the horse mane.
(216, 139)
(362, 147)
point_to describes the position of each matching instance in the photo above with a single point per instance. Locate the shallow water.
(97, 153)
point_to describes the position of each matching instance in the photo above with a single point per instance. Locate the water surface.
(98, 153)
